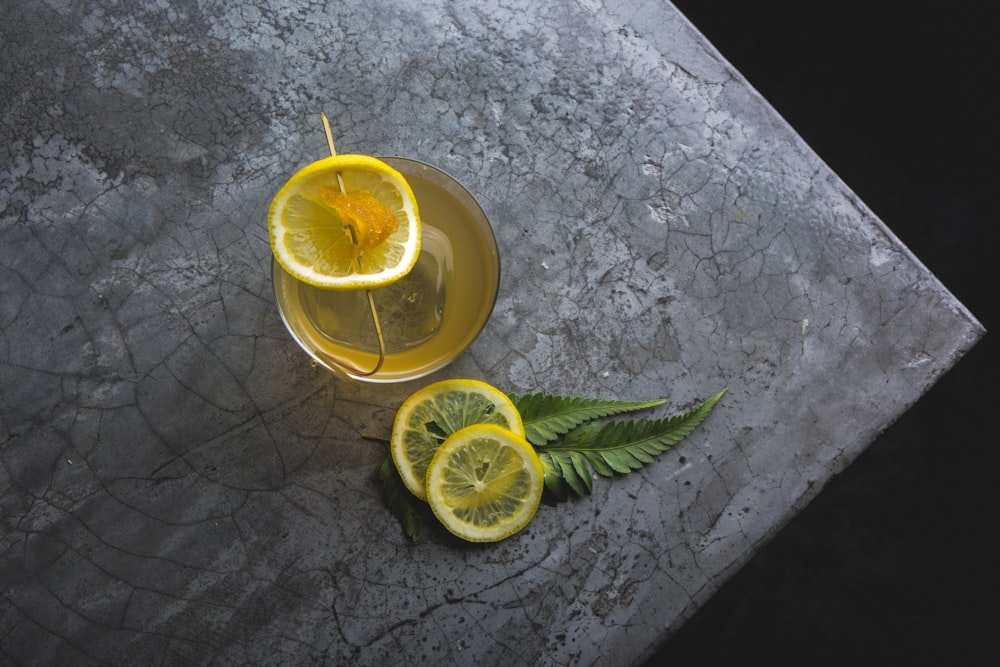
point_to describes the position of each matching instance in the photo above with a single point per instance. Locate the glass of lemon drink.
(384, 269)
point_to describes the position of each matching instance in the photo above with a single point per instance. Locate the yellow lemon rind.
(354, 280)
(446, 511)
(413, 475)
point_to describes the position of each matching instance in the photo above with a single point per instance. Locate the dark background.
(895, 560)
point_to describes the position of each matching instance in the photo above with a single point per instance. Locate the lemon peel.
(433, 413)
(330, 226)
(485, 483)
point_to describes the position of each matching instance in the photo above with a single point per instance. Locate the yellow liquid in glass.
(428, 317)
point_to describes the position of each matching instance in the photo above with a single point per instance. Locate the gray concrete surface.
(178, 485)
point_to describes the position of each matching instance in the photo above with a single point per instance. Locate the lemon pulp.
(484, 483)
(433, 413)
(365, 236)
(369, 221)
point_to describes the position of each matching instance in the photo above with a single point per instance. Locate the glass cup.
(420, 323)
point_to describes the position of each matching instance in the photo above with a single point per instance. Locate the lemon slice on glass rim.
(484, 483)
(433, 413)
(345, 222)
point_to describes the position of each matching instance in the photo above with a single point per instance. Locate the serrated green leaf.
(570, 474)
(399, 500)
(619, 446)
(546, 416)
(579, 462)
(554, 482)
(599, 466)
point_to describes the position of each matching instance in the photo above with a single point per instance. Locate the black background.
(895, 560)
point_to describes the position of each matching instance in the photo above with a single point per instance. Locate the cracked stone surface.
(179, 486)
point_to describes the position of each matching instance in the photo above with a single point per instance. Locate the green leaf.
(572, 440)
(399, 499)
(616, 447)
(547, 417)
(570, 471)
(554, 482)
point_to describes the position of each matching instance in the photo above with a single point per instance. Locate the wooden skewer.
(351, 368)
(333, 150)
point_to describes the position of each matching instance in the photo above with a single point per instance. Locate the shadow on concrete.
(895, 559)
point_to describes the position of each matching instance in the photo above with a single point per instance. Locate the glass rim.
(419, 169)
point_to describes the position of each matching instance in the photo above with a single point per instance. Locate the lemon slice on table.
(484, 483)
(345, 222)
(433, 413)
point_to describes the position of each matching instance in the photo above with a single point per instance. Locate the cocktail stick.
(351, 368)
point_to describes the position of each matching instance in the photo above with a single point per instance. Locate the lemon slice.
(433, 413)
(362, 236)
(484, 483)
